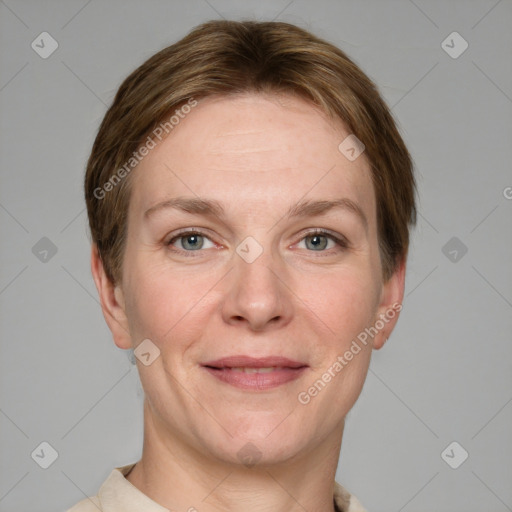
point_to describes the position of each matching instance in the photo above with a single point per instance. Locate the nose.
(257, 294)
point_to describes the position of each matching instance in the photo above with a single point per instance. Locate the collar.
(117, 493)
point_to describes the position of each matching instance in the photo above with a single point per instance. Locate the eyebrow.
(213, 208)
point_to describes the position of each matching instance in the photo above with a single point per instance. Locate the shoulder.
(355, 505)
(88, 505)
(346, 502)
(112, 490)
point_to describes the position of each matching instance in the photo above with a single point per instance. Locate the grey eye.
(316, 242)
(192, 242)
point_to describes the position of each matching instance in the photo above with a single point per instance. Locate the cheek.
(345, 301)
(163, 304)
(154, 304)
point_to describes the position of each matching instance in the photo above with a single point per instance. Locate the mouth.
(257, 374)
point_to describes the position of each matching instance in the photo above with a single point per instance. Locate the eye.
(190, 241)
(318, 241)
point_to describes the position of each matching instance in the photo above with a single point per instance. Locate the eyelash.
(341, 242)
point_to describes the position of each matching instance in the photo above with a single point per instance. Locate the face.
(251, 234)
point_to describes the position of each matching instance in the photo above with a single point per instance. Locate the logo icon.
(249, 454)
(454, 250)
(454, 45)
(249, 249)
(454, 455)
(44, 455)
(44, 45)
(146, 352)
(44, 250)
(351, 147)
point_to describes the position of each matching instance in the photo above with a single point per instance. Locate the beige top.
(117, 494)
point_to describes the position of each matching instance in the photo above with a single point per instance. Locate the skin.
(257, 155)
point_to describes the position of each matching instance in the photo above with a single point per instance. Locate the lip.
(254, 362)
(287, 370)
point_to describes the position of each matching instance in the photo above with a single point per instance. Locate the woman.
(249, 199)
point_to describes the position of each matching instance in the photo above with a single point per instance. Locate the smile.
(256, 379)
(247, 369)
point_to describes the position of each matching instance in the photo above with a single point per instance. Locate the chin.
(253, 448)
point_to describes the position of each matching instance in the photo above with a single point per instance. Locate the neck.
(177, 476)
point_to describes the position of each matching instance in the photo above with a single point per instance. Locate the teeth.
(256, 370)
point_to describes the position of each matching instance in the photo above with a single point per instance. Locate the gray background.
(445, 374)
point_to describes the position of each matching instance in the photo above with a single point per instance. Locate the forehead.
(256, 151)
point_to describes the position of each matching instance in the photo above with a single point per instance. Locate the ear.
(112, 302)
(390, 305)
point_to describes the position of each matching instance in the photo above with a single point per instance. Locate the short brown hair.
(220, 58)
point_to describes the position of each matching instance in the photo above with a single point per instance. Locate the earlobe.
(112, 302)
(390, 305)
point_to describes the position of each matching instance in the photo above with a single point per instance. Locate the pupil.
(192, 242)
(316, 241)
